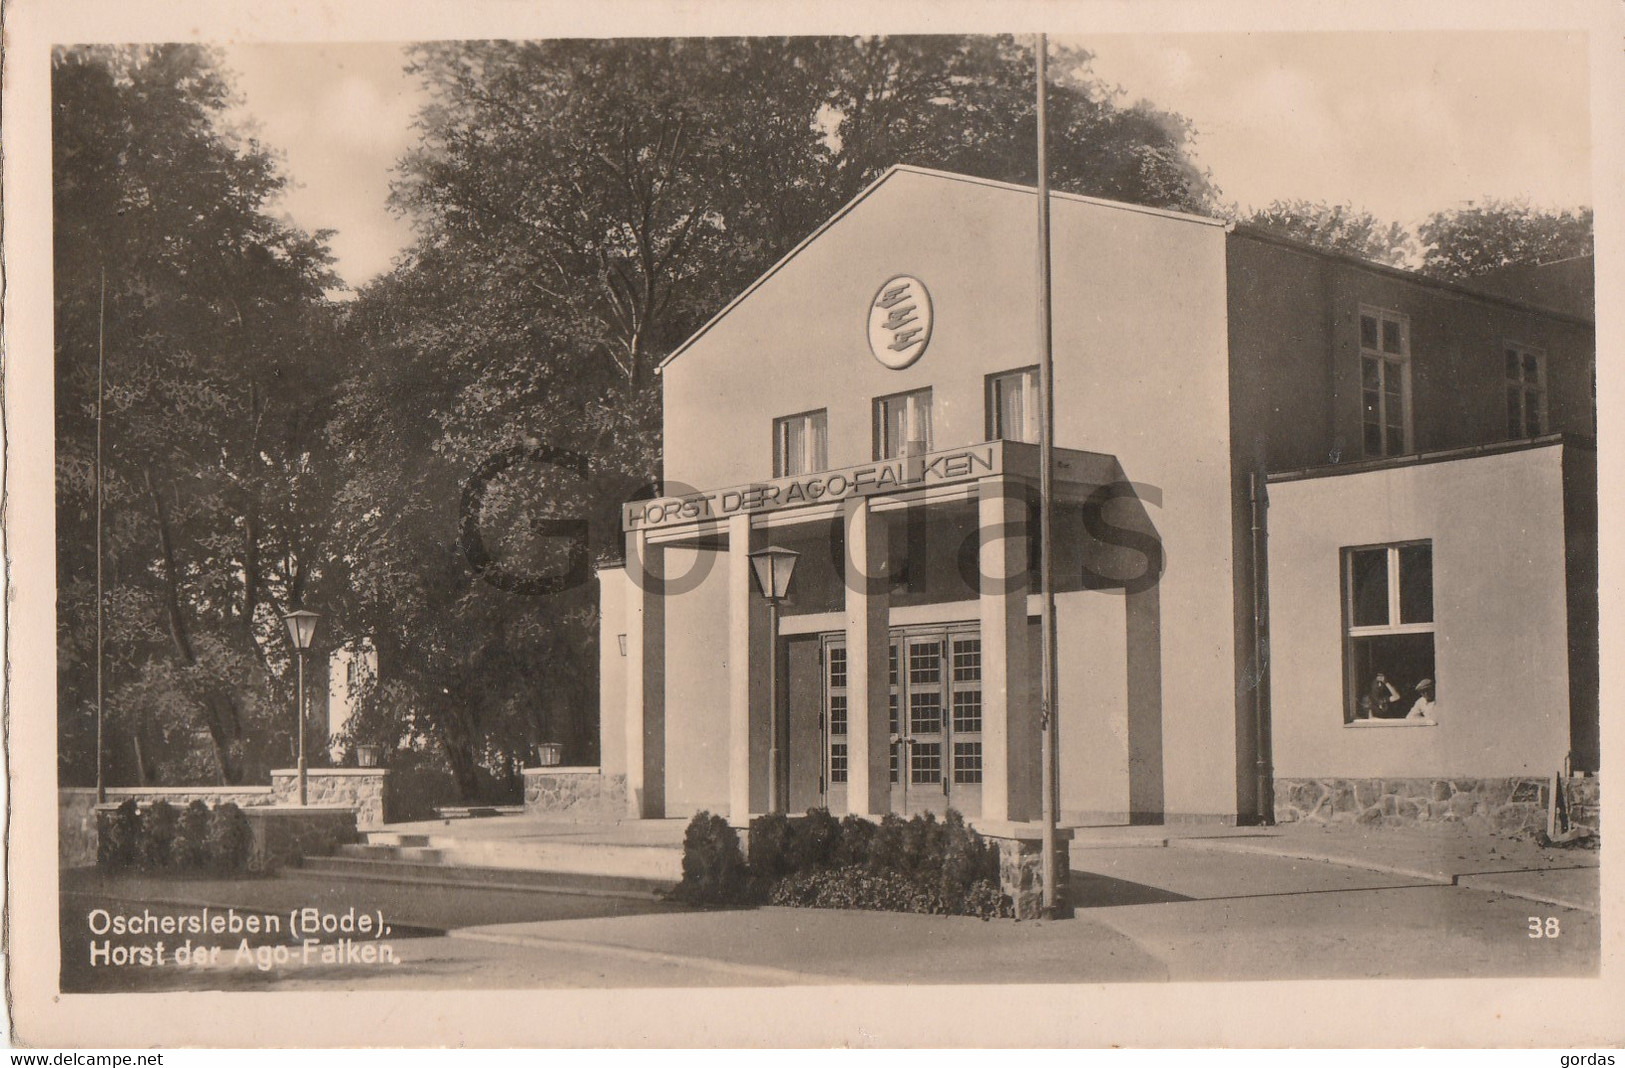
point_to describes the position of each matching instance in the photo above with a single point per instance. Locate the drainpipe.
(1265, 787)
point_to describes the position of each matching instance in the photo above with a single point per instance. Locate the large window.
(1388, 631)
(1013, 405)
(801, 443)
(1525, 390)
(1385, 382)
(901, 420)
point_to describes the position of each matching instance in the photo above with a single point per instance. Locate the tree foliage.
(1467, 242)
(217, 370)
(1337, 227)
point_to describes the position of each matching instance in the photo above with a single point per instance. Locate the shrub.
(852, 847)
(772, 846)
(714, 871)
(916, 865)
(230, 839)
(158, 831)
(886, 849)
(853, 887)
(192, 843)
(118, 839)
(817, 840)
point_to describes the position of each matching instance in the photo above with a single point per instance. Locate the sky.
(1401, 124)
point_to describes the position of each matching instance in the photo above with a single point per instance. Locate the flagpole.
(101, 364)
(1046, 490)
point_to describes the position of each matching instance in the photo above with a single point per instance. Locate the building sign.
(825, 487)
(900, 322)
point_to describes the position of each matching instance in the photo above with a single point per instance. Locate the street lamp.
(301, 629)
(773, 567)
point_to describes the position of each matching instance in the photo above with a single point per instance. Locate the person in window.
(1382, 700)
(1423, 708)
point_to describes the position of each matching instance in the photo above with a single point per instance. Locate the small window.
(1013, 409)
(837, 762)
(925, 763)
(1389, 634)
(925, 712)
(1385, 382)
(801, 443)
(967, 763)
(1525, 391)
(903, 424)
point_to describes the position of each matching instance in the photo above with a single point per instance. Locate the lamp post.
(773, 567)
(301, 629)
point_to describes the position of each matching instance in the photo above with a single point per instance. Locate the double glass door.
(935, 720)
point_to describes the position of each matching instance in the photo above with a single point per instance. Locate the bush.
(192, 842)
(917, 865)
(118, 841)
(714, 871)
(159, 827)
(856, 837)
(772, 847)
(230, 839)
(853, 887)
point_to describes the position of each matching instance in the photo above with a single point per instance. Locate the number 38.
(1547, 928)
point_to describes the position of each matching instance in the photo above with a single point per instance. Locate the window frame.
(1394, 627)
(1403, 358)
(1030, 404)
(813, 418)
(878, 421)
(1523, 388)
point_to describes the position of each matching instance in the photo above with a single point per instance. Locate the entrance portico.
(907, 640)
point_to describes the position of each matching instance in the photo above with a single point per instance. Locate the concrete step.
(394, 838)
(440, 874)
(662, 863)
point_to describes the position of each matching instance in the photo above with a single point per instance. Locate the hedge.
(916, 865)
(194, 839)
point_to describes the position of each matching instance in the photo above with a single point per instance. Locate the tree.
(1337, 227)
(1467, 242)
(218, 365)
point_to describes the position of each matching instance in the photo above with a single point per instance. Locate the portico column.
(1010, 770)
(868, 645)
(646, 678)
(747, 678)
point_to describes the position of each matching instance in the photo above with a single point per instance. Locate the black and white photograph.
(512, 508)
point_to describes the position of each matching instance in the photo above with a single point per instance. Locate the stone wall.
(1503, 806)
(364, 790)
(575, 795)
(1021, 874)
(76, 811)
(283, 836)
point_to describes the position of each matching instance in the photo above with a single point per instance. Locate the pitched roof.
(903, 168)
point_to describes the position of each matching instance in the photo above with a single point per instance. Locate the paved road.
(1145, 914)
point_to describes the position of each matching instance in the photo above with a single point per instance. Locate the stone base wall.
(281, 836)
(285, 836)
(364, 790)
(1021, 874)
(1504, 806)
(576, 795)
(76, 811)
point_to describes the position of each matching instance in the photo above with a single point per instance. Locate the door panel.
(935, 721)
(925, 787)
(835, 751)
(964, 770)
(804, 738)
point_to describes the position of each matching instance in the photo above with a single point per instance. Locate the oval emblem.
(900, 322)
